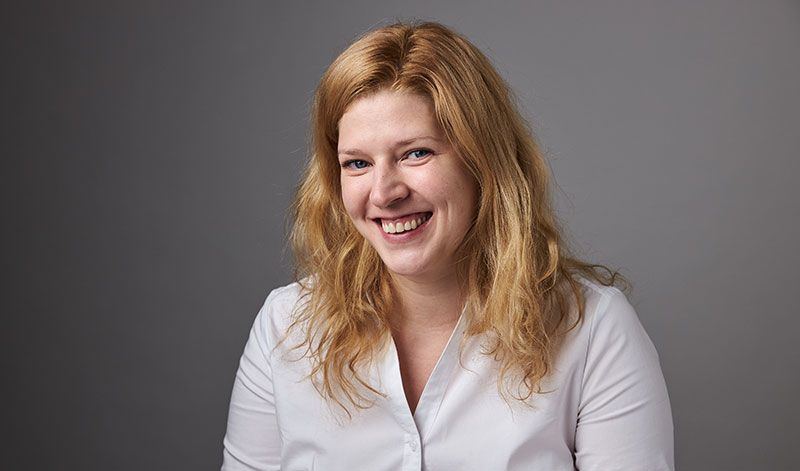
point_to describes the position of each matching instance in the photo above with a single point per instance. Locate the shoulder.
(599, 298)
(609, 337)
(616, 343)
(607, 308)
(278, 312)
(284, 298)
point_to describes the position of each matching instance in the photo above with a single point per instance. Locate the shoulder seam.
(601, 305)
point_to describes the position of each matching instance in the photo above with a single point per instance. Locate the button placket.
(412, 443)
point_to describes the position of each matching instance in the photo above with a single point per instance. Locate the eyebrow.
(402, 143)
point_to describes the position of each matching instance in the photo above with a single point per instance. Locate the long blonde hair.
(521, 285)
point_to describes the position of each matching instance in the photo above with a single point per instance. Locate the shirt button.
(413, 445)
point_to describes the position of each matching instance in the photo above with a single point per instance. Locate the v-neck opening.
(433, 392)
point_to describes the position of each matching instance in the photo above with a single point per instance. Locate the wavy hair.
(520, 283)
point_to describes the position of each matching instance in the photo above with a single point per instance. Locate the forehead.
(388, 113)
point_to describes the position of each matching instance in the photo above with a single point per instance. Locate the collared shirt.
(604, 406)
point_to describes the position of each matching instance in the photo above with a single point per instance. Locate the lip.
(407, 235)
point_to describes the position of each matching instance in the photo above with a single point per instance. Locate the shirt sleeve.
(624, 416)
(252, 440)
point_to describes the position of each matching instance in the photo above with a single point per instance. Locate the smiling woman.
(434, 295)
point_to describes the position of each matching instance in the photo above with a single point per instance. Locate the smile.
(404, 224)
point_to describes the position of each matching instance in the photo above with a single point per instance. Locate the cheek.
(352, 198)
(466, 198)
(462, 191)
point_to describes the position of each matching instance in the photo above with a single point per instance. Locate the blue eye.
(355, 164)
(419, 153)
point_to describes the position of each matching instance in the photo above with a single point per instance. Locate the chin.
(406, 270)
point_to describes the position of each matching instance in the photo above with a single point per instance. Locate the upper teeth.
(394, 228)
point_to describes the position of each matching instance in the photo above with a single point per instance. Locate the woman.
(437, 322)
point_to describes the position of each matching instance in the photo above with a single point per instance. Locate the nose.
(388, 186)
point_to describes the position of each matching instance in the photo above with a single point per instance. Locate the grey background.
(150, 149)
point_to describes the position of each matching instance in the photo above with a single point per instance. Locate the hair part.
(521, 284)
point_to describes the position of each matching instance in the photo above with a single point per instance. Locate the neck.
(426, 305)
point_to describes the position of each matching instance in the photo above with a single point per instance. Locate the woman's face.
(403, 184)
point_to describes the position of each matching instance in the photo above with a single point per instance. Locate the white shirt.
(606, 405)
